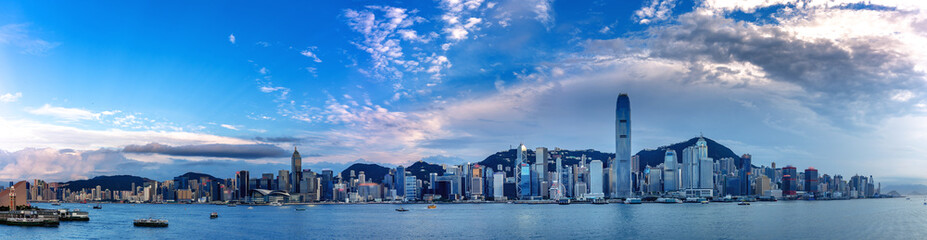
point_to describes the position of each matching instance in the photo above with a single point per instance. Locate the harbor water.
(843, 219)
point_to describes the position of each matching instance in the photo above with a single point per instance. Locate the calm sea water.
(850, 219)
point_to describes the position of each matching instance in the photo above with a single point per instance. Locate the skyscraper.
(789, 183)
(669, 171)
(622, 166)
(296, 172)
(811, 181)
(243, 189)
(746, 171)
(595, 179)
(523, 173)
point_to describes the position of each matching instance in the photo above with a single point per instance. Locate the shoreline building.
(522, 173)
(670, 175)
(697, 170)
(297, 163)
(622, 163)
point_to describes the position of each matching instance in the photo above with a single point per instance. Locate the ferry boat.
(73, 215)
(743, 203)
(565, 201)
(29, 218)
(599, 201)
(632, 201)
(276, 204)
(150, 222)
(668, 200)
(214, 215)
(98, 206)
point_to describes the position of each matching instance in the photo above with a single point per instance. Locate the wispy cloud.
(310, 54)
(232, 38)
(230, 127)
(69, 114)
(10, 97)
(17, 35)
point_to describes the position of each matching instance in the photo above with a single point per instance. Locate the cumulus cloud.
(657, 10)
(232, 38)
(242, 151)
(59, 165)
(10, 97)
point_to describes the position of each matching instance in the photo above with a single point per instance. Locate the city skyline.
(84, 93)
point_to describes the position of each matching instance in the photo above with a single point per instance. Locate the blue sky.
(181, 84)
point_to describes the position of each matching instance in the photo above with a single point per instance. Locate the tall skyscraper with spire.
(622, 162)
(522, 173)
(296, 174)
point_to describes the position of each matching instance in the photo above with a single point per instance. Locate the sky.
(157, 89)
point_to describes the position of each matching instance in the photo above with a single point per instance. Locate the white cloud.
(19, 134)
(309, 54)
(17, 35)
(10, 97)
(230, 127)
(902, 95)
(70, 114)
(657, 10)
(232, 38)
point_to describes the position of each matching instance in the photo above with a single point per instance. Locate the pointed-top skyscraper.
(296, 174)
(622, 162)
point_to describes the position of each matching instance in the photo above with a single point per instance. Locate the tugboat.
(98, 206)
(150, 222)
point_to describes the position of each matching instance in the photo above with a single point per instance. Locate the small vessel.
(632, 201)
(150, 222)
(564, 201)
(40, 222)
(704, 201)
(98, 206)
(73, 215)
(214, 215)
(232, 205)
(300, 209)
(400, 209)
(599, 201)
(276, 204)
(250, 207)
(432, 206)
(56, 204)
(743, 203)
(668, 200)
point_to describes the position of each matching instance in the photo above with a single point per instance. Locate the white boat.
(632, 201)
(276, 204)
(668, 200)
